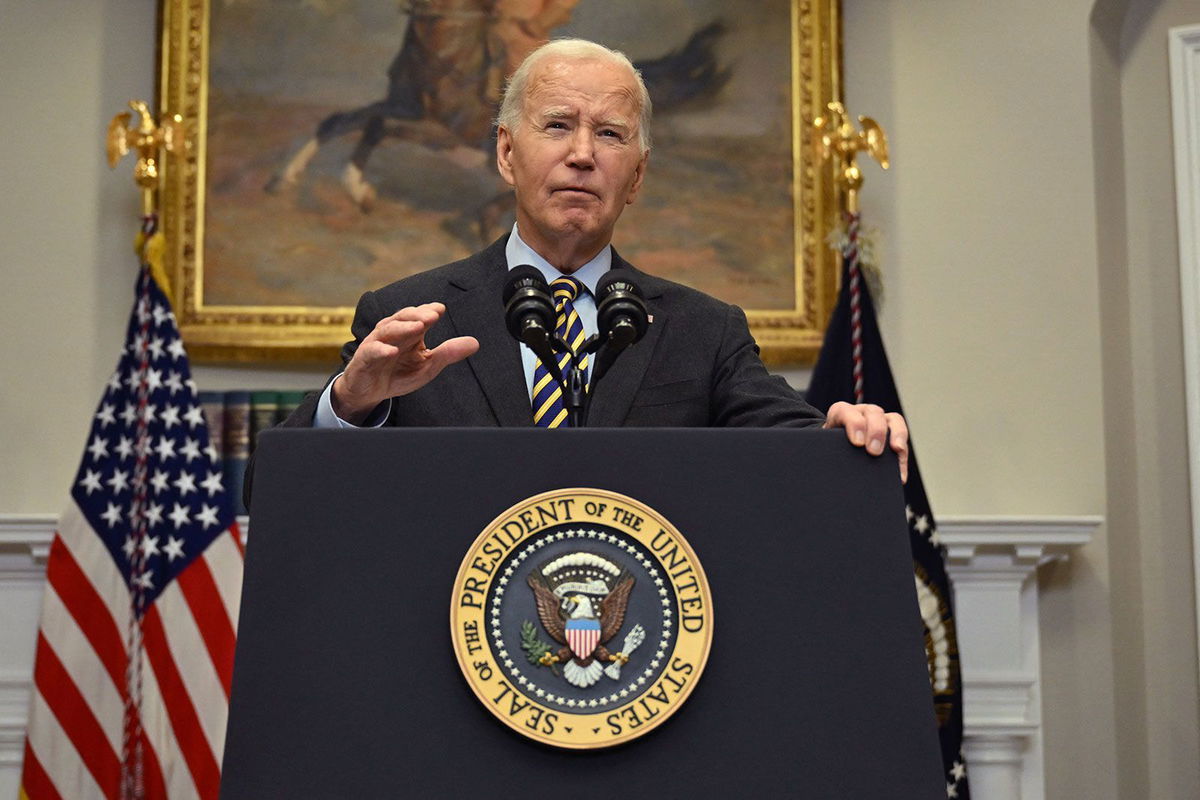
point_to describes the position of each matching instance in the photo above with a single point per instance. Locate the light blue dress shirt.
(517, 253)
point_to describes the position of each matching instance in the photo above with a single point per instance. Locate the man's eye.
(611, 134)
(556, 126)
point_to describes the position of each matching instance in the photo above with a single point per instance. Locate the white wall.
(1028, 246)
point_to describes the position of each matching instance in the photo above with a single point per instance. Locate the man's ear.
(639, 174)
(504, 146)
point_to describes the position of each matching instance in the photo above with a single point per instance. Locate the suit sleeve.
(744, 394)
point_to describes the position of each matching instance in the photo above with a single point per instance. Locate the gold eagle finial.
(834, 137)
(147, 138)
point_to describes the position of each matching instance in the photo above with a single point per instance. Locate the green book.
(264, 413)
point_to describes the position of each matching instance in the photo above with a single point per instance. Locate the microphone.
(620, 310)
(528, 309)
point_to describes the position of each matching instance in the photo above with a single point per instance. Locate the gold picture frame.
(218, 327)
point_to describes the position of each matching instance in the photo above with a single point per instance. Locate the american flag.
(139, 618)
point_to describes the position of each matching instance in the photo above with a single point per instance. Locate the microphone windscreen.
(521, 277)
(614, 281)
(620, 311)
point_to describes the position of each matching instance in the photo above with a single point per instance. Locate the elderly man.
(573, 142)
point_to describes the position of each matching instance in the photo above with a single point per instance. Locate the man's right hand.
(393, 360)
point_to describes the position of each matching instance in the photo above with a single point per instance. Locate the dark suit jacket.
(697, 366)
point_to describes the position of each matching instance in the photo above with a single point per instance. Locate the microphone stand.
(574, 381)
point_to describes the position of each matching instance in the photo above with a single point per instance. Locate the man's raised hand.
(393, 360)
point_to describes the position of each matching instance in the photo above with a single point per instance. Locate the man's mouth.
(574, 190)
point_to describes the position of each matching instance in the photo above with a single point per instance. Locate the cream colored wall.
(66, 229)
(64, 271)
(991, 310)
(1025, 298)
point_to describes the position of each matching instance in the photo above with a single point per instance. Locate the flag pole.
(149, 139)
(836, 140)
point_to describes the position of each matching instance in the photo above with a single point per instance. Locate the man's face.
(574, 160)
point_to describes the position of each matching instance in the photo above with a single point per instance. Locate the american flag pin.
(649, 318)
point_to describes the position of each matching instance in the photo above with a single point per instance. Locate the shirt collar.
(517, 252)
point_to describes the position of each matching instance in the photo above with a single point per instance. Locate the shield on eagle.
(582, 636)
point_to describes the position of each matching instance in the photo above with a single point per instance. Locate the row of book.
(235, 419)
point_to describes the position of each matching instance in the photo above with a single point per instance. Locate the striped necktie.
(548, 409)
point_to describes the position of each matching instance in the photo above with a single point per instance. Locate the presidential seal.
(581, 618)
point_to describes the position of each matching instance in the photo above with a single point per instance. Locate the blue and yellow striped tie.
(548, 409)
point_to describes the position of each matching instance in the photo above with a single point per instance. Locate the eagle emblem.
(581, 618)
(581, 601)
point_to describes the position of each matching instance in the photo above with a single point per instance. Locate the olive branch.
(533, 646)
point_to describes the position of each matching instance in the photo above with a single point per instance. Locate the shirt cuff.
(326, 417)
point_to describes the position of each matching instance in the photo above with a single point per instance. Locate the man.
(573, 141)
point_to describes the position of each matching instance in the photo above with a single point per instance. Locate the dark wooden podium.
(346, 683)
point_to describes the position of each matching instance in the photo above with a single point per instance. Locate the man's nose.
(583, 149)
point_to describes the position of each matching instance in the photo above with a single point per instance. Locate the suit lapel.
(614, 394)
(478, 312)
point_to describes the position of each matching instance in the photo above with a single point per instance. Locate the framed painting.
(334, 146)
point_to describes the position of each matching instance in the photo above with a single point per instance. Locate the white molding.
(25, 544)
(993, 563)
(1184, 49)
(1031, 541)
(14, 710)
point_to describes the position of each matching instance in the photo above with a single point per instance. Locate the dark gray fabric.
(698, 366)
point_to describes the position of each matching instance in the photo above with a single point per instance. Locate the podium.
(346, 683)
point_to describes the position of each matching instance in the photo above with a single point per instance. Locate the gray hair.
(572, 50)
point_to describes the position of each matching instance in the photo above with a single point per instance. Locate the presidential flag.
(139, 618)
(853, 366)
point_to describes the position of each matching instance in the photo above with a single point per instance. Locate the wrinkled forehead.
(589, 86)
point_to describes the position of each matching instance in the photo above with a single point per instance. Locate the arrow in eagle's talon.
(632, 639)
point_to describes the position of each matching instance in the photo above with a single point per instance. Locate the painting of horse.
(351, 142)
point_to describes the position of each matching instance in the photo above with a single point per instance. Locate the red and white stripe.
(856, 335)
(76, 723)
(583, 641)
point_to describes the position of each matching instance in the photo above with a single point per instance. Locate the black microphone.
(620, 310)
(528, 309)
